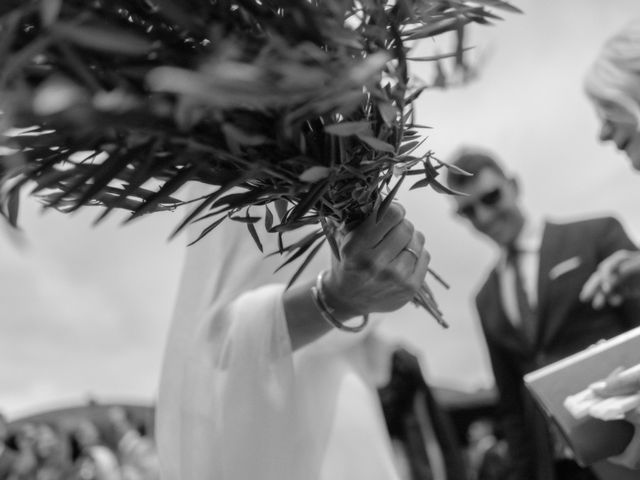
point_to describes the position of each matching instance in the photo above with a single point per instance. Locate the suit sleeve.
(449, 443)
(613, 238)
(510, 410)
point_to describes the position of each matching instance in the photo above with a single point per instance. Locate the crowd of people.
(80, 451)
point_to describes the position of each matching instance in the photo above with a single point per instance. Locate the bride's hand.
(381, 267)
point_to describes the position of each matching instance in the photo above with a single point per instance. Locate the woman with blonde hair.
(612, 83)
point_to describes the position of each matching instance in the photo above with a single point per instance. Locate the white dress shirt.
(528, 245)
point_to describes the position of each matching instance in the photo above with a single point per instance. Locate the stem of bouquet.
(425, 299)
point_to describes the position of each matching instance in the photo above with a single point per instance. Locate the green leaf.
(108, 171)
(372, 65)
(174, 183)
(282, 206)
(304, 241)
(440, 188)
(329, 234)
(388, 112)
(437, 57)
(268, 219)
(306, 262)
(208, 230)
(314, 174)
(146, 165)
(432, 29)
(308, 201)
(377, 144)
(252, 230)
(243, 138)
(421, 184)
(174, 14)
(13, 206)
(455, 169)
(345, 129)
(408, 147)
(298, 249)
(291, 226)
(388, 199)
(108, 40)
(205, 203)
(49, 11)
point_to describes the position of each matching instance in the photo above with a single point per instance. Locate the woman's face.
(620, 127)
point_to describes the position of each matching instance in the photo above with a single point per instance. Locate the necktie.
(528, 316)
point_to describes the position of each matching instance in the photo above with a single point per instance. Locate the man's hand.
(617, 277)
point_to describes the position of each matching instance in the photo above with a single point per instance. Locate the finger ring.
(412, 252)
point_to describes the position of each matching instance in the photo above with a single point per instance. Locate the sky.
(85, 309)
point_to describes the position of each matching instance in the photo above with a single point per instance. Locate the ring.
(412, 252)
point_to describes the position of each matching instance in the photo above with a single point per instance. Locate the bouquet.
(303, 107)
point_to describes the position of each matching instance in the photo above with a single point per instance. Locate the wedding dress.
(236, 403)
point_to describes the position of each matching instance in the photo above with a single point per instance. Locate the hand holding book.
(565, 391)
(613, 398)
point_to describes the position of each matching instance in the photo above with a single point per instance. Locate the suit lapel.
(548, 249)
(552, 250)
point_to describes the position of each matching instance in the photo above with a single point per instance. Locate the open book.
(591, 439)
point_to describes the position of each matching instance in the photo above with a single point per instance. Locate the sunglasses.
(489, 199)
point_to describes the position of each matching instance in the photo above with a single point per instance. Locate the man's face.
(491, 205)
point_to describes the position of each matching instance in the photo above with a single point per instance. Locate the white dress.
(236, 403)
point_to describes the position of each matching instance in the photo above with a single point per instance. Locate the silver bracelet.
(319, 298)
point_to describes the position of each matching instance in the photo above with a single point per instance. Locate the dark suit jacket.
(565, 326)
(403, 422)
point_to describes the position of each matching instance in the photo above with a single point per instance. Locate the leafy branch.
(304, 107)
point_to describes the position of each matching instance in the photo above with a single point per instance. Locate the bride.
(260, 382)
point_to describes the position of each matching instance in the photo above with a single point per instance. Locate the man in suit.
(530, 309)
(420, 429)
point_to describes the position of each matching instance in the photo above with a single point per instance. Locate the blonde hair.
(615, 74)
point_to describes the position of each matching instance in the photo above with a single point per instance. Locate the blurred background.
(85, 310)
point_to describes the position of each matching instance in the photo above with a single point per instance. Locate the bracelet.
(319, 298)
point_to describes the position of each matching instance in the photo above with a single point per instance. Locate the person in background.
(136, 452)
(422, 434)
(7, 455)
(23, 441)
(488, 455)
(529, 306)
(51, 453)
(612, 83)
(91, 459)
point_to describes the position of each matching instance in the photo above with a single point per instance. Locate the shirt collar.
(530, 237)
